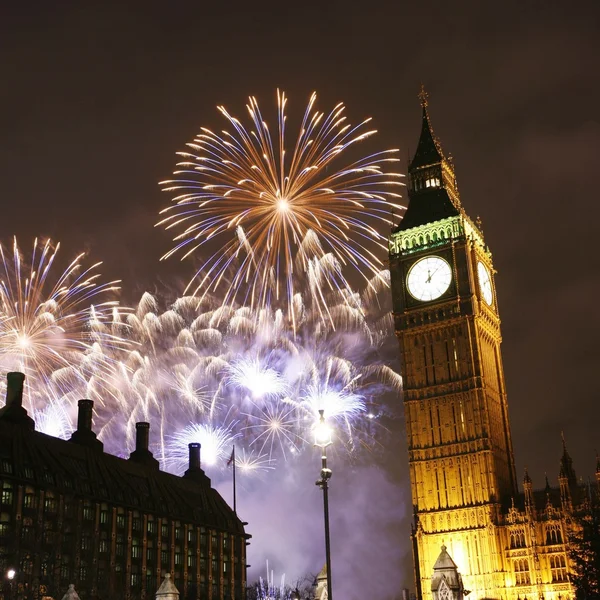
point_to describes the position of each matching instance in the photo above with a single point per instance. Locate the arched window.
(553, 536)
(521, 572)
(558, 568)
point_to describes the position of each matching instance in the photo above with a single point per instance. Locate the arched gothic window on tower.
(521, 566)
(558, 568)
(553, 535)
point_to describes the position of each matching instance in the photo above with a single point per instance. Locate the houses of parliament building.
(473, 530)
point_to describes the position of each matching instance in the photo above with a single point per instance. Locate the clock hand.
(428, 280)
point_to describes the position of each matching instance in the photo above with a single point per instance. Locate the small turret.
(446, 581)
(528, 490)
(567, 479)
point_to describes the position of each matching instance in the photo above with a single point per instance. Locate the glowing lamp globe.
(11, 573)
(322, 434)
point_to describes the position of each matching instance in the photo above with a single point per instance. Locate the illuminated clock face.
(429, 278)
(485, 283)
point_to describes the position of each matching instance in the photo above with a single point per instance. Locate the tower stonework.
(461, 463)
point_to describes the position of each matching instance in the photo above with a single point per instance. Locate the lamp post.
(323, 439)
(10, 575)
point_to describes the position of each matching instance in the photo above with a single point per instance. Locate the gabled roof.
(84, 471)
(444, 561)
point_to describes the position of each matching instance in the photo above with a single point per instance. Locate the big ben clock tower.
(447, 322)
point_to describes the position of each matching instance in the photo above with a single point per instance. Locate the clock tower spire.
(432, 185)
(446, 319)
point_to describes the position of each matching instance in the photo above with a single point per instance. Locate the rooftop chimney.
(13, 411)
(84, 434)
(195, 470)
(142, 454)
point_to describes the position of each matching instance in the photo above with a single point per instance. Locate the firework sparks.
(260, 380)
(214, 441)
(275, 428)
(250, 463)
(48, 327)
(259, 199)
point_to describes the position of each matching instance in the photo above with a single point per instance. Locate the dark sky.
(96, 97)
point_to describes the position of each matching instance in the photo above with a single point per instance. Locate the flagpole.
(234, 491)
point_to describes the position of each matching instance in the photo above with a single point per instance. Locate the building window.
(104, 516)
(68, 510)
(27, 533)
(28, 472)
(135, 579)
(164, 530)
(164, 557)
(103, 546)
(7, 466)
(522, 572)
(558, 568)
(120, 547)
(7, 494)
(191, 561)
(46, 565)
(191, 536)
(86, 542)
(136, 549)
(517, 539)
(151, 526)
(27, 565)
(29, 500)
(88, 512)
(50, 504)
(553, 536)
(177, 558)
(137, 524)
(121, 521)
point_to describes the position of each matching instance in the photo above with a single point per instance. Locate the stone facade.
(506, 544)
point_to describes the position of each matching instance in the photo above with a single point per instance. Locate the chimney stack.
(13, 411)
(142, 436)
(194, 456)
(84, 416)
(142, 454)
(84, 434)
(195, 470)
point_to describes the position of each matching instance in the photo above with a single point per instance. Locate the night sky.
(96, 98)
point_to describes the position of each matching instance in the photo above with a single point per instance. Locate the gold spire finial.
(423, 97)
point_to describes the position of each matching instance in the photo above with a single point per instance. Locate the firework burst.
(258, 199)
(49, 328)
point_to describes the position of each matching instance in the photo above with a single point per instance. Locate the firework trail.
(203, 372)
(258, 197)
(51, 331)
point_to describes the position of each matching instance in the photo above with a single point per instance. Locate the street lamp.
(323, 439)
(10, 575)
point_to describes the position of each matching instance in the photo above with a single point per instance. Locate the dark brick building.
(70, 513)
